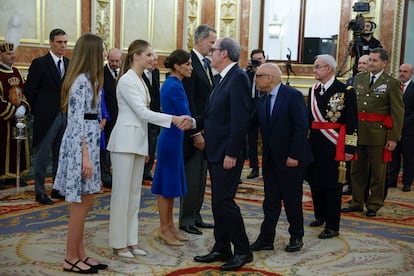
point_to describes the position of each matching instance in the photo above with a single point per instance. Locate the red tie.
(402, 87)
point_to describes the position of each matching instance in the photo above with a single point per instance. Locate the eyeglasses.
(318, 67)
(213, 50)
(261, 75)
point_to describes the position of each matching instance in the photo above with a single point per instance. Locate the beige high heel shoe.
(167, 241)
(180, 237)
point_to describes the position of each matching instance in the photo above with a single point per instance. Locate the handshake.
(183, 122)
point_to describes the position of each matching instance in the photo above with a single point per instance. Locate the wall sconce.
(275, 26)
(275, 29)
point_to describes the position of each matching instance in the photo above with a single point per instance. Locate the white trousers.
(127, 170)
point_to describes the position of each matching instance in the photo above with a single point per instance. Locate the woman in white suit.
(128, 145)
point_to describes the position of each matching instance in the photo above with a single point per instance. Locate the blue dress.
(169, 177)
(69, 181)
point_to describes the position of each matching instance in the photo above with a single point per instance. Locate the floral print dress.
(69, 181)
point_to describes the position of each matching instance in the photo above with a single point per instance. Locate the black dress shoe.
(44, 199)
(191, 229)
(237, 261)
(406, 188)
(259, 245)
(328, 234)
(254, 173)
(56, 195)
(295, 244)
(317, 222)
(213, 256)
(371, 213)
(204, 225)
(351, 209)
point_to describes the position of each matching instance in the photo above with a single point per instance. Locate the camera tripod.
(357, 43)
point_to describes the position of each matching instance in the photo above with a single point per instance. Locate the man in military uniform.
(333, 114)
(380, 115)
(13, 105)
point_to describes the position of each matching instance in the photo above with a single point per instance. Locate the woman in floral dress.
(78, 176)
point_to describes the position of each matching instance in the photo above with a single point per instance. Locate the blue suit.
(284, 134)
(225, 122)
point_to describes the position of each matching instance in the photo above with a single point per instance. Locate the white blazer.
(130, 133)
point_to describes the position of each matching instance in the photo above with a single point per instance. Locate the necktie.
(115, 73)
(269, 106)
(402, 87)
(206, 63)
(372, 81)
(59, 63)
(217, 79)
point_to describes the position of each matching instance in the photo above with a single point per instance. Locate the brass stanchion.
(19, 134)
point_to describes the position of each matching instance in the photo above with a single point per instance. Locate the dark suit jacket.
(197, 88)
(226, 116)
(110, 100)
(408, 98)
(285, 133)
(154, 89)
(43, 90)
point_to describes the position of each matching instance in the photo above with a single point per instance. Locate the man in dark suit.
(111, 72)
(257, 58)
(225, 120)
(405, 148)
(333, 138)
(197, 88)
(282, 117)
(152, 80)
(43, 90)
(380, 121)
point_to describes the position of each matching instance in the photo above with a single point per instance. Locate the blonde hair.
(87, 57)
(136, 47)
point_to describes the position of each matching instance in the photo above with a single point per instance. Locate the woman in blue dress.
(169, 177)
(78, 175)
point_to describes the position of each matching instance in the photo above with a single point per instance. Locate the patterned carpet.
(32, 240)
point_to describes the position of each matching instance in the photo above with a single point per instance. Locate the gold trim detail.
(228, 18)
(193, 10)
(351, 140)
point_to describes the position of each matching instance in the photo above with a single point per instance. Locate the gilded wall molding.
(228, 20)
(192, 19)
(397, 37)
(103, 21)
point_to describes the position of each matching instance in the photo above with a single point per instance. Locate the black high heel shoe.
(97, 266)
(79, 270)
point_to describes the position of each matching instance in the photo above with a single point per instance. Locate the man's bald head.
(267, 77)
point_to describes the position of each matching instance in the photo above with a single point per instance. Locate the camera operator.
(257, 58)
(368, 40)
(364, 41)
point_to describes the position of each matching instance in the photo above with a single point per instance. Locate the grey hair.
(202, 31)
(329, 60)
(232, 47)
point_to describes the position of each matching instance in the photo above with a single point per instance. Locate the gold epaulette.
(351, 140)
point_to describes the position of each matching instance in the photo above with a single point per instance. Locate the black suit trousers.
(228, 221)
(153, 132)
(404, 149)
(281, 186)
